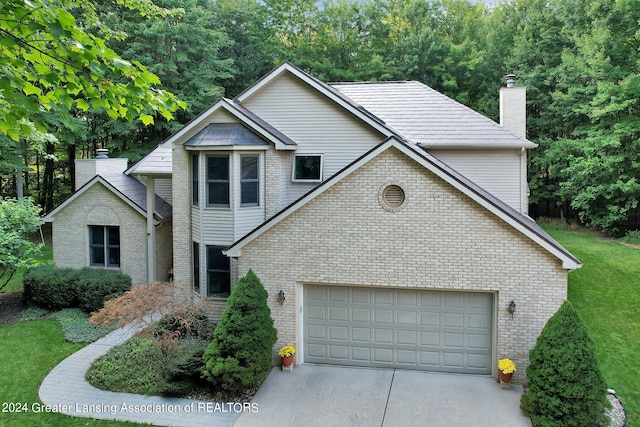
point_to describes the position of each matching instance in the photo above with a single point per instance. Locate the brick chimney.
(86, 169)
(513, 107)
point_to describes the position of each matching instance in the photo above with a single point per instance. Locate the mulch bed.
(10, 307)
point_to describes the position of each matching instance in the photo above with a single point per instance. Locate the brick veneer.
(439, 239)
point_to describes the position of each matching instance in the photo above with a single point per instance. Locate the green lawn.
(606, 293)
(29, 350)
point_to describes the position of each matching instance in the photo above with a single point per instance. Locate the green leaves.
(49, 60)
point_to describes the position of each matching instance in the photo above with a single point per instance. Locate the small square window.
(307, 167)
(218, 181)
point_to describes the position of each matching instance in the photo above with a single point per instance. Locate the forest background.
(579, 59)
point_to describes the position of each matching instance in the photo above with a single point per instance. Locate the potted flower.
(506, 368)
(286, 354)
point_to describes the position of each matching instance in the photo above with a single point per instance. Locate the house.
(387, 222)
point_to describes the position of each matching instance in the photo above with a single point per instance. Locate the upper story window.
(195, 182)
(104, 246)
(218, 181)
(307, 167)
(249, 180)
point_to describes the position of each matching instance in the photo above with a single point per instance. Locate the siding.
(497, 171)
(440, 239)
(163, 189)
(315, 123)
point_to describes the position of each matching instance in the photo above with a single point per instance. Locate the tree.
(240, 353)
(18, 221)
(51, 62)
(565, 385)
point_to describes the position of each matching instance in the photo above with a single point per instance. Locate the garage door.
(407, 329)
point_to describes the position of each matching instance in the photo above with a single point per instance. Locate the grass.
(605, 292)
(28, 352)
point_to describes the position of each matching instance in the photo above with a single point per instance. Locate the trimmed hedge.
(56, 288)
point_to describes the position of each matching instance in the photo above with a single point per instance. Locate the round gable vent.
(391, 197)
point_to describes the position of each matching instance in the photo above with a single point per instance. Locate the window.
(218, 181)
(104, 246)
(195, 184)
(307, 167)
(218, 273)
(249, 181)
(196, 267)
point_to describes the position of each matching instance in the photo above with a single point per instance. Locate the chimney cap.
(511, 80)
(102, 153)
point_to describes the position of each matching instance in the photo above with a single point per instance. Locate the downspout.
(151, 230)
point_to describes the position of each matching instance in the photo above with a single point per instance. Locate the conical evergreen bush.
(240, 353)
(565, 385)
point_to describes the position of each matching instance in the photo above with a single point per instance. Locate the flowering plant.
(506, 366)
(286, 351)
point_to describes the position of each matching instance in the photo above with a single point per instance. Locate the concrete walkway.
(324, 396)
(66, 391)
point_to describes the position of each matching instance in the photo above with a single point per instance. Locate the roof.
(222, 134)
(518, 221)
(158, 162)
(127, 188)
(428, 118)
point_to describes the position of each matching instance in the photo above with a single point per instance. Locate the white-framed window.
(249, 180)
(307, 167)
(218, 180)
(218, 272)
(104, 246)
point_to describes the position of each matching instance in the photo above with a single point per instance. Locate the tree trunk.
(71, 155)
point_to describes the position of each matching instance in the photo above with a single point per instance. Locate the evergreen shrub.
(565, 385)
(239, 355)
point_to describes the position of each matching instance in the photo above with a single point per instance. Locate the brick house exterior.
(393, 219)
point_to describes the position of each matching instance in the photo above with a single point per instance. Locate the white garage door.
(407, 329)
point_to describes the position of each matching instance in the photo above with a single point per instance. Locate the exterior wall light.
(281, 297)
(512, 307)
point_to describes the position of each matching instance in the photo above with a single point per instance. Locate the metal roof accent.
(223, 134)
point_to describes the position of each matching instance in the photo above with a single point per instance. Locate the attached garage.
(445, 331)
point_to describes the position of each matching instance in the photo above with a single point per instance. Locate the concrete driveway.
(318, 395)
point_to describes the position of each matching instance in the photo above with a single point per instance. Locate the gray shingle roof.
(136, 192)
(157, 162)
(428, 118)
(216, 134)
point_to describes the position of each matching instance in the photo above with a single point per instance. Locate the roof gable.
(519, 222)
(128, 189)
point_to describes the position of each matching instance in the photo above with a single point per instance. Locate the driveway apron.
(319, 395)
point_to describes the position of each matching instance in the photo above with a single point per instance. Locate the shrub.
(632, 237)
(184, 371)
(565, 385)
(189, 322)
(56, 288)
(137, 366)
(76, 327)
(240, 353)
(50, 287)
(95, 287)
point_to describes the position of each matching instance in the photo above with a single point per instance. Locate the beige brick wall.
(99, 206)
(440, 239)
(182, 243)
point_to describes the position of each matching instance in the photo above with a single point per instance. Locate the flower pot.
(505, 378)
(287, 361)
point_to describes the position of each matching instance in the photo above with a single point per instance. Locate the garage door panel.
(383, 316)
(409, 329)
(361, 315)
(338, 314)
(382, 336)
(407, 317)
